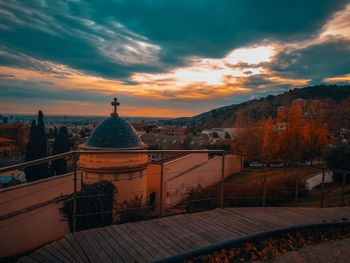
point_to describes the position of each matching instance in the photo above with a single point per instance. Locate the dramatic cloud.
(165, 57)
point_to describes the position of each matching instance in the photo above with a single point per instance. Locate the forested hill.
(264, 107)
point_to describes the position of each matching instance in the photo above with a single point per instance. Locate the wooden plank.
(99, 250)
(323, 214)
(192, 235)
(179, 235)
(214, 222)
(164, 241)
(267, 215)
(230, 225)
(154, 240)
(130, 248)
(49, 257)
(338, 212)
(75, 245)
(129, 237)
(314, 217)
(217, 232)
(119, 248)
(164, 232)
(36, 257)
(133, 233)
(244, 217)
(318, 214)
(287, 215)
(240, 223)
(86, 247)
(235, 226)
(256, 216)
(199, 229)
(60, 252)
(27, 259)
(69, 250)
(113, 255)
(152, 246)
(183, 234)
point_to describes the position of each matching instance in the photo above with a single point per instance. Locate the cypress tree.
(61, 145)
(36, 149)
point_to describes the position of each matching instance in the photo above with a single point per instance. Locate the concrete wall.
(182, 174)
(34, 228)
(205, 175)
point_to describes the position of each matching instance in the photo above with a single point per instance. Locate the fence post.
(343, 189)
(296, 190)
(222, 180)
(264, 187)
(75, 193)
(322, 188)
(81, 180)
(161, 185)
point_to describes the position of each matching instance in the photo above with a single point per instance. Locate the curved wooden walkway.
(146, 241)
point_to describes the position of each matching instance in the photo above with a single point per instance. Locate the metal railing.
(74, 155)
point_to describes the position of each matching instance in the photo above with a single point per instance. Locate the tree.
(315, 139)
(270, 147)
(61, 145)
(338, 159)
(249, 142)
(36, 149)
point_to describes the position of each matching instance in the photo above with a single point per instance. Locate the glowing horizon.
(153, 80)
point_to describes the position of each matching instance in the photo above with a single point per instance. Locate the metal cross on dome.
(115, 103)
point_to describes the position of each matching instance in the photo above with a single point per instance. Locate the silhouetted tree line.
(37, 149)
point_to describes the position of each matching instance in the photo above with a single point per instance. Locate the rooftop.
(114, 132)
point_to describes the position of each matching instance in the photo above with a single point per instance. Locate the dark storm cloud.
(316, 62)
(103, 37)
(212, 28)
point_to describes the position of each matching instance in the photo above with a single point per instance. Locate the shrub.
(92, 199)
(338, 159)
(131, 210)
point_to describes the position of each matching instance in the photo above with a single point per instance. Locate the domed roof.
(114, 132)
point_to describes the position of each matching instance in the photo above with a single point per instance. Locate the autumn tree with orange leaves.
(297, 134)
(248, 143)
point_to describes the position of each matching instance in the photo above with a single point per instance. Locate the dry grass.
(256, 176)
(332, 196)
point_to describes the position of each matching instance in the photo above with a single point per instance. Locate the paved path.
(146, 241)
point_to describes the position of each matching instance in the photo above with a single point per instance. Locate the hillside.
(264, 107)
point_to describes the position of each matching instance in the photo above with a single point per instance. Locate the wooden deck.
(146, 241)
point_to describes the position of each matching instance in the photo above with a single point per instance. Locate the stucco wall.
(39, 226)
(31, 230)
(204, 175)
(186, 172)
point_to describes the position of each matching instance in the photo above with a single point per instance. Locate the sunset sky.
(165, 58)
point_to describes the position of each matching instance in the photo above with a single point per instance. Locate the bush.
(131, 210)
(338, 159)
(102, 201)
(279, 191)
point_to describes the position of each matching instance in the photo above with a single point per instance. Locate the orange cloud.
(344, 78)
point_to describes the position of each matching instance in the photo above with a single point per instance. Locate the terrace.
(30, 213)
